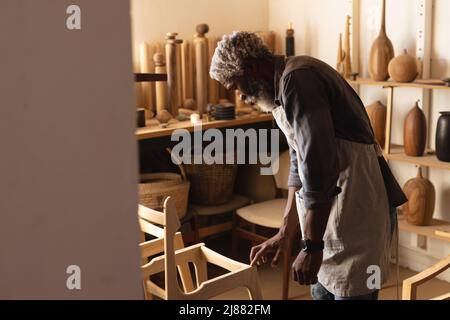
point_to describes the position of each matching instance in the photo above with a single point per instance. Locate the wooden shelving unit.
(439, 229)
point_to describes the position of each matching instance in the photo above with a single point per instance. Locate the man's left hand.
(306, 267)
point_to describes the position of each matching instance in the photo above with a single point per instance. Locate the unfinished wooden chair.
(156, 247)
(268, 214)
(239, 275)
(410, 285)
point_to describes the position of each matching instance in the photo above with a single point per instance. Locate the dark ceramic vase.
(443, 137)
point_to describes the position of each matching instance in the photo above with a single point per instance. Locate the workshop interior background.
(316, 27)
(75, 163)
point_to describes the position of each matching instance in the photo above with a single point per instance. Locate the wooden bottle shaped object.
(347, 57)
(403, 68)
(290, 41)
(382, 52)
(415, 132)
(146, 66)
(377, 114)
(213, 85)
(340, 58)
(172, 78)
(421, 196)
(187, 66)
(201, 64)
(161, 86)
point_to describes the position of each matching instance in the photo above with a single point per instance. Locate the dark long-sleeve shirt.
(320, 106)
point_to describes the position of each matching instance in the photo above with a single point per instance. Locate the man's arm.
(308, 111)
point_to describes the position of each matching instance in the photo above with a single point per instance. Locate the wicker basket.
(211, 184)
(155, 187)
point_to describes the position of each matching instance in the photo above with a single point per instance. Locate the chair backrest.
(169, 220)
(410, 285)
(281, 168)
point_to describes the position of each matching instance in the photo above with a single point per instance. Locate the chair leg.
(286, 271)
(194, 228)
(234, 235)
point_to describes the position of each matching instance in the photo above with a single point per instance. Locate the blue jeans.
(318, 292)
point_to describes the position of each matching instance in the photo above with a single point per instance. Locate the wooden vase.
(382, 52)
(421, 196)
(377, 114)
(415, 132)
(403, 68)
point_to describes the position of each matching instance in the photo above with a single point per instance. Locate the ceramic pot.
(443, 137)
(377, 114)
(403, 68)
(415, 132)
(421, 196)
(382, 52)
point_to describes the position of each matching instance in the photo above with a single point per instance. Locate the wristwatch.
(309, 246)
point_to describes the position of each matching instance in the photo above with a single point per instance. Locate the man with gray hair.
(342, 194)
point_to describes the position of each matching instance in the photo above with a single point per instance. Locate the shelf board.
(436, 230)
(422, 84)
(428, 160)
(150, 132)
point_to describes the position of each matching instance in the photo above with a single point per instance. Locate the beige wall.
(152, 19)
(68, 159)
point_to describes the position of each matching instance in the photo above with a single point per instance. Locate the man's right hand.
(259, 253)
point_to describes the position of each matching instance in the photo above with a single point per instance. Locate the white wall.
(68, 165)
(318, 23)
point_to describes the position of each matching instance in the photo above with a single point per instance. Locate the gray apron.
(357, 237)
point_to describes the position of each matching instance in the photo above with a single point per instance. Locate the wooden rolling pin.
(201, 64)
(187, 74)
(146, 66)
(171, 66)
(179, 43)
(213, 85)
(160, 86)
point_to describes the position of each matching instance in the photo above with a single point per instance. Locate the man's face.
(254, 91)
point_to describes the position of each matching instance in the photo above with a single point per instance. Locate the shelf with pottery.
(419, 84)
(393, 72)
(157, 131)
(437, 229)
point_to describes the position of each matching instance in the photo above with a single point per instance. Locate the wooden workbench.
(152, 132)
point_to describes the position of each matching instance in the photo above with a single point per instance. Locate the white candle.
(195, 118)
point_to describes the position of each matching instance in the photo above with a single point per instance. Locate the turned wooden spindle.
(187, 72)
(172, 78)
(201, 64)
(161, 86)
(213, 85)
(146, 66)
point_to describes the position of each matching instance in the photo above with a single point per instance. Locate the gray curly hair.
(232, 51)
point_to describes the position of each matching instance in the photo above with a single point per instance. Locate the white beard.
(265, 104)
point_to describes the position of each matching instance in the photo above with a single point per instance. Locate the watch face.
(304, 245)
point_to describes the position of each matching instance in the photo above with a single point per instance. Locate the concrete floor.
(270, 279)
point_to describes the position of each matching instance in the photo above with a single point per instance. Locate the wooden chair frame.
(410, 285)
(239, 275)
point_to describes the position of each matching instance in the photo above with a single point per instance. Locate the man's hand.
(277, 244)
(306, 267)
